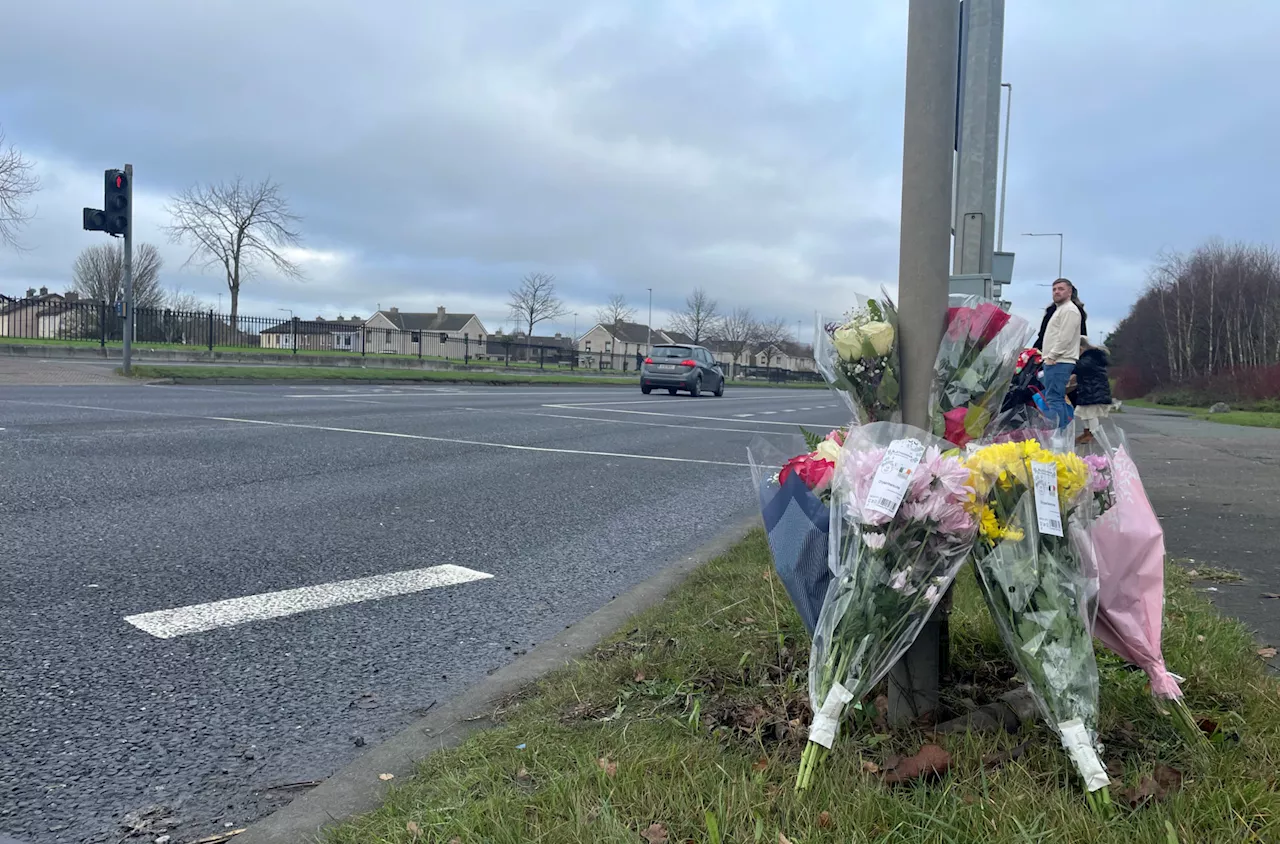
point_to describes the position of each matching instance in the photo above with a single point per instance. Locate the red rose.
(959, 321)
(814, 472)
(988, 320)
(954, 431)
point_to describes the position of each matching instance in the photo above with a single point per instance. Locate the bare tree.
(698, 318)
(737, 331)
(616, 311)
(776, 331)
(535, 301)
(185, 301)
(17, 184)
(237, 226)
(98, 274)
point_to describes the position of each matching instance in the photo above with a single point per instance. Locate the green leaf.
(811, 440)
(976, 419)
(887, 392)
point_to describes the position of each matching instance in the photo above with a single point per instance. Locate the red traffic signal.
(116, 202)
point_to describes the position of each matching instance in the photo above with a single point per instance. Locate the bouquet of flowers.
(797, 516)
(974, 365)
(1030, 503)
(858, 357)
(1128, 544)
(900, 531)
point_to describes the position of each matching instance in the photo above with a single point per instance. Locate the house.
(620, 345)
(784, 355)
(318, 335)
(439, 334)
(46, 315)
(549, 350)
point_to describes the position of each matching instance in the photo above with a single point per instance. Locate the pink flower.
(1099, 472)
(815, 472)
(873, 540)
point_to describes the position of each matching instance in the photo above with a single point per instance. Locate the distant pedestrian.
(1092, 396)
(1061, 349)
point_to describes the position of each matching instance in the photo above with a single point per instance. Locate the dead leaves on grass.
(929, 761)
(1267, 653)
(1156, 786)
(656, 834)
(609, 766)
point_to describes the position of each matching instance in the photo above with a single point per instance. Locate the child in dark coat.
(1092, 394)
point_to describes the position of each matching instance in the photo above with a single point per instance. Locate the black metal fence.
(53, 319)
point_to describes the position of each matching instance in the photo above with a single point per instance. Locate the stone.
(1220, 407)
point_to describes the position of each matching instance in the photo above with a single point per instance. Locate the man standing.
(1061, 349)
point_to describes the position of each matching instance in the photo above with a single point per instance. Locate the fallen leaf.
(1004, 757)
(607, 765)
(455, 840)
(870, 767)
(748, 620)
(930, 760)
(882, 705)
(1208, 726)
(1267, 653)
(760, 764)
(1200, 638)
(522, 775)
(639, 676)
(824, 820)
(782, 839)
(1192, 573)
(413, 829)
(1156, 786)
(386, 777)
(655, 834)
(1115, 769)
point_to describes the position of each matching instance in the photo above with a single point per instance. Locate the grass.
(1247, 418)
(695, 717)
(352, 373)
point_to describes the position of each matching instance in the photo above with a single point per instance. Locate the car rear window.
(672, 352)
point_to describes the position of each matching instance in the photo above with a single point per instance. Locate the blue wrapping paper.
(798, 524)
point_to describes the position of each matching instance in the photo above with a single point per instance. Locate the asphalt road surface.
(213, 594)
(421, 536)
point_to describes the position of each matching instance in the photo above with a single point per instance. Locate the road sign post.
(127, 354)
(116, 219)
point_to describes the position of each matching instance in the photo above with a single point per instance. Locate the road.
(514, 512)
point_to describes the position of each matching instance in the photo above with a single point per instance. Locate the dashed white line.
(198, 618)
(659, 424)
(681, 415)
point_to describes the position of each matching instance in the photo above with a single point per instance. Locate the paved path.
(58, 373)
(1216, 489)
(211, 591)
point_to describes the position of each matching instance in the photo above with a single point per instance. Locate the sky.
(439, 150)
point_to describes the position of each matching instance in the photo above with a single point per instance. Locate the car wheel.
(696, 389)
(720, 389)
(671, 391)
(646, 390)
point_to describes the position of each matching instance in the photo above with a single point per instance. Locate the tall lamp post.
(649, 339)
(1058, 235)
(1004, 167)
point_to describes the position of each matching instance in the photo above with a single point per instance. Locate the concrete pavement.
(295, 504)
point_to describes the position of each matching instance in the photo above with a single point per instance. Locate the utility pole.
(116, 219)
(1004, 166)
(927, 142)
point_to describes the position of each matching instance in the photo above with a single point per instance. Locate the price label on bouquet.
(1048, 513)
(893, 476)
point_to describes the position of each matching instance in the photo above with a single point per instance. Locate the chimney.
(44, 291)
(31, 292)
(339, 317)
(440, 311)
(319, 318)
(395, 310)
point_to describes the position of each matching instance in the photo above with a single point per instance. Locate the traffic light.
(95, 220)
(116, 202)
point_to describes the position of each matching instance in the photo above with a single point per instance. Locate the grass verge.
(688, 726)
(351, 373)
(1247, 418)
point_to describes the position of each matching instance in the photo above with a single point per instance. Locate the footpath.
(686, 724)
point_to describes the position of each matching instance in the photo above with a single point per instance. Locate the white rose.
(880, 335)
(848, 341)
(828, 450)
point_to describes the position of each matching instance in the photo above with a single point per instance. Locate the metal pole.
(923, 265)
(1060, 239)
(648, 340)
(127, 353)
(1004, 166)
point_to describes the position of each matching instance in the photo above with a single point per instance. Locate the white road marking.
(659, 424)
(668, 401)
(681, 416)
(456, 441)
(197, 618)
(743, 415)
(768, 412)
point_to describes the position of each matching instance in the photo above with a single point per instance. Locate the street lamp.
(1004, 168)
(1058, 235)
(649, 339)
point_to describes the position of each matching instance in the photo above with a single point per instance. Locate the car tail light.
(689, 362)
(648, 360)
